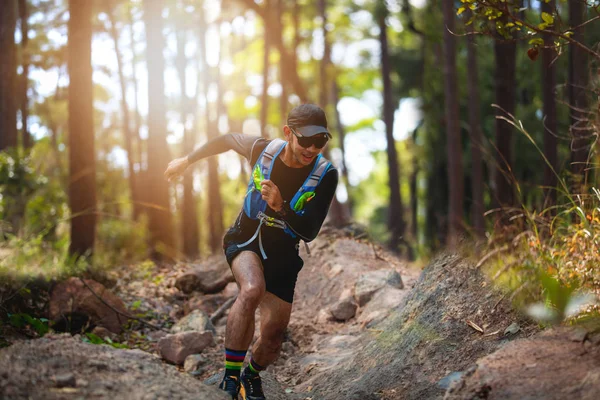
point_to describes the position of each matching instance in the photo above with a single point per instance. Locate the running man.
(288, 198)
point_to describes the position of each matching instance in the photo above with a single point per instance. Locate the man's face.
(302, 155)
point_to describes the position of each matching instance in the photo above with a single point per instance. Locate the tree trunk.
(288, 59)
(189, 219)
(215, 203)
(505, 53)
(264, 107)
(161, 226)
(24, 17)
(339, 213)
(136, 108)
(414, 195)
(8, 75)
(475, 136)
(578, 82)
(550, 121)
(396, 210)
(335, 90)
(82, 159)
(452, 114)
(127, 135)
(283, 99)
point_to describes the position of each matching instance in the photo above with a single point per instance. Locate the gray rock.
(382, 303)
(449, 379)
(206, 281)
(344, 309)
(194, 321)
(194, 362)
(175, 348)
(65, 380)
(368, 284)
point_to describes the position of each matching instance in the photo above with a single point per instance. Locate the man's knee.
(252, 294)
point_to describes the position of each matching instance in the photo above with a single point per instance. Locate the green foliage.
(22, 320)
(95, 339)
(120, 241)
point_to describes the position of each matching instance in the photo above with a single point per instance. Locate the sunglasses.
(319, 141)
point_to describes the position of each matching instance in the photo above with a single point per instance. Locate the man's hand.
(176, 168)
(271, 194)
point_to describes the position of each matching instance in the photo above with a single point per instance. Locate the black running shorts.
(281, 267)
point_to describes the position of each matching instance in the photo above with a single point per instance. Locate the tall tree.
(134, 79)
(283, 98)
(454, 149)
(189, 219)
(161, 226)
(127, 134)
(396, 224)
(8, 75)
(505, 52)
(550, 120)
(475, 135)
(578, 82)
(264, 106)
(24, 18)
(82, 160)
(215, 203)
(277, 41)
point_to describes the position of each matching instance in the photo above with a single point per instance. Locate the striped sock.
(234, 359)
(253, 368)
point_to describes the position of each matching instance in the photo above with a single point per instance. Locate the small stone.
(370, 283)
(65, 380)
(175, 348)
(193, 362)
(194, 321)
(344, 309)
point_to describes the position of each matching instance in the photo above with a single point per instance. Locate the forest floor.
(420, 341)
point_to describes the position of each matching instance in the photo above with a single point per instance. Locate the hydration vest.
(255, 206)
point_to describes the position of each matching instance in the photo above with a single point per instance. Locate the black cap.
(308, 120)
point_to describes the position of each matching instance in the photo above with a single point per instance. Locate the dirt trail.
(411, 343)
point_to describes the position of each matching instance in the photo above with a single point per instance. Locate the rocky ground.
(365, 325)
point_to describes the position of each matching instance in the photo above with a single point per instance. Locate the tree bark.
(335, 90)
(127, 134)
(215, 203)
(82, 159)
(136, 108)
(396, 224)
(452, 114)
(189, 219)
(8, 75)
(161, 225)
(550, 121)
(24, 17)
(283, 99)
(264, 106)
(578, 82)
(475, 136)
(288, 59)
(505, 53)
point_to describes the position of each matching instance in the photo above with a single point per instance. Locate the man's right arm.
(238, 142)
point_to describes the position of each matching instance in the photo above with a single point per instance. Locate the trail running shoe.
(251, 387)
(231, 385)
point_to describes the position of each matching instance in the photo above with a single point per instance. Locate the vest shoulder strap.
(269, 154)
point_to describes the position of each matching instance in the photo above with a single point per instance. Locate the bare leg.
(247, 270)
(274, 319)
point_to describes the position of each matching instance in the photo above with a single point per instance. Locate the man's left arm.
(308, 225)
